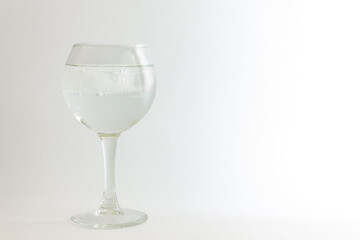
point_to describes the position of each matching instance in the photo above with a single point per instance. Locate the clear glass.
(109, 88)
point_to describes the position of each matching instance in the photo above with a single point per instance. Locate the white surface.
(49, 221)
(44, 220)
(256, 118)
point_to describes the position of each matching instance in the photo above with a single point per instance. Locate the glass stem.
(109, 203)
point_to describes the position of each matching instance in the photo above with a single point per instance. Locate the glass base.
(105, 220)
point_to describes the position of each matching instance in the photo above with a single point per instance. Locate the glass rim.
(128, 45)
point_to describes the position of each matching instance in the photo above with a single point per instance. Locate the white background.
(254, 132)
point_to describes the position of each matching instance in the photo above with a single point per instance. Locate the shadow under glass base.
(109, 220)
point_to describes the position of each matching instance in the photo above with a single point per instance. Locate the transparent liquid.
(109, 99)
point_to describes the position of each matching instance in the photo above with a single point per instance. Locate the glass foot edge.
(92, 220)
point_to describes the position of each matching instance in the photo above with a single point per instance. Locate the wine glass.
(109, 88)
